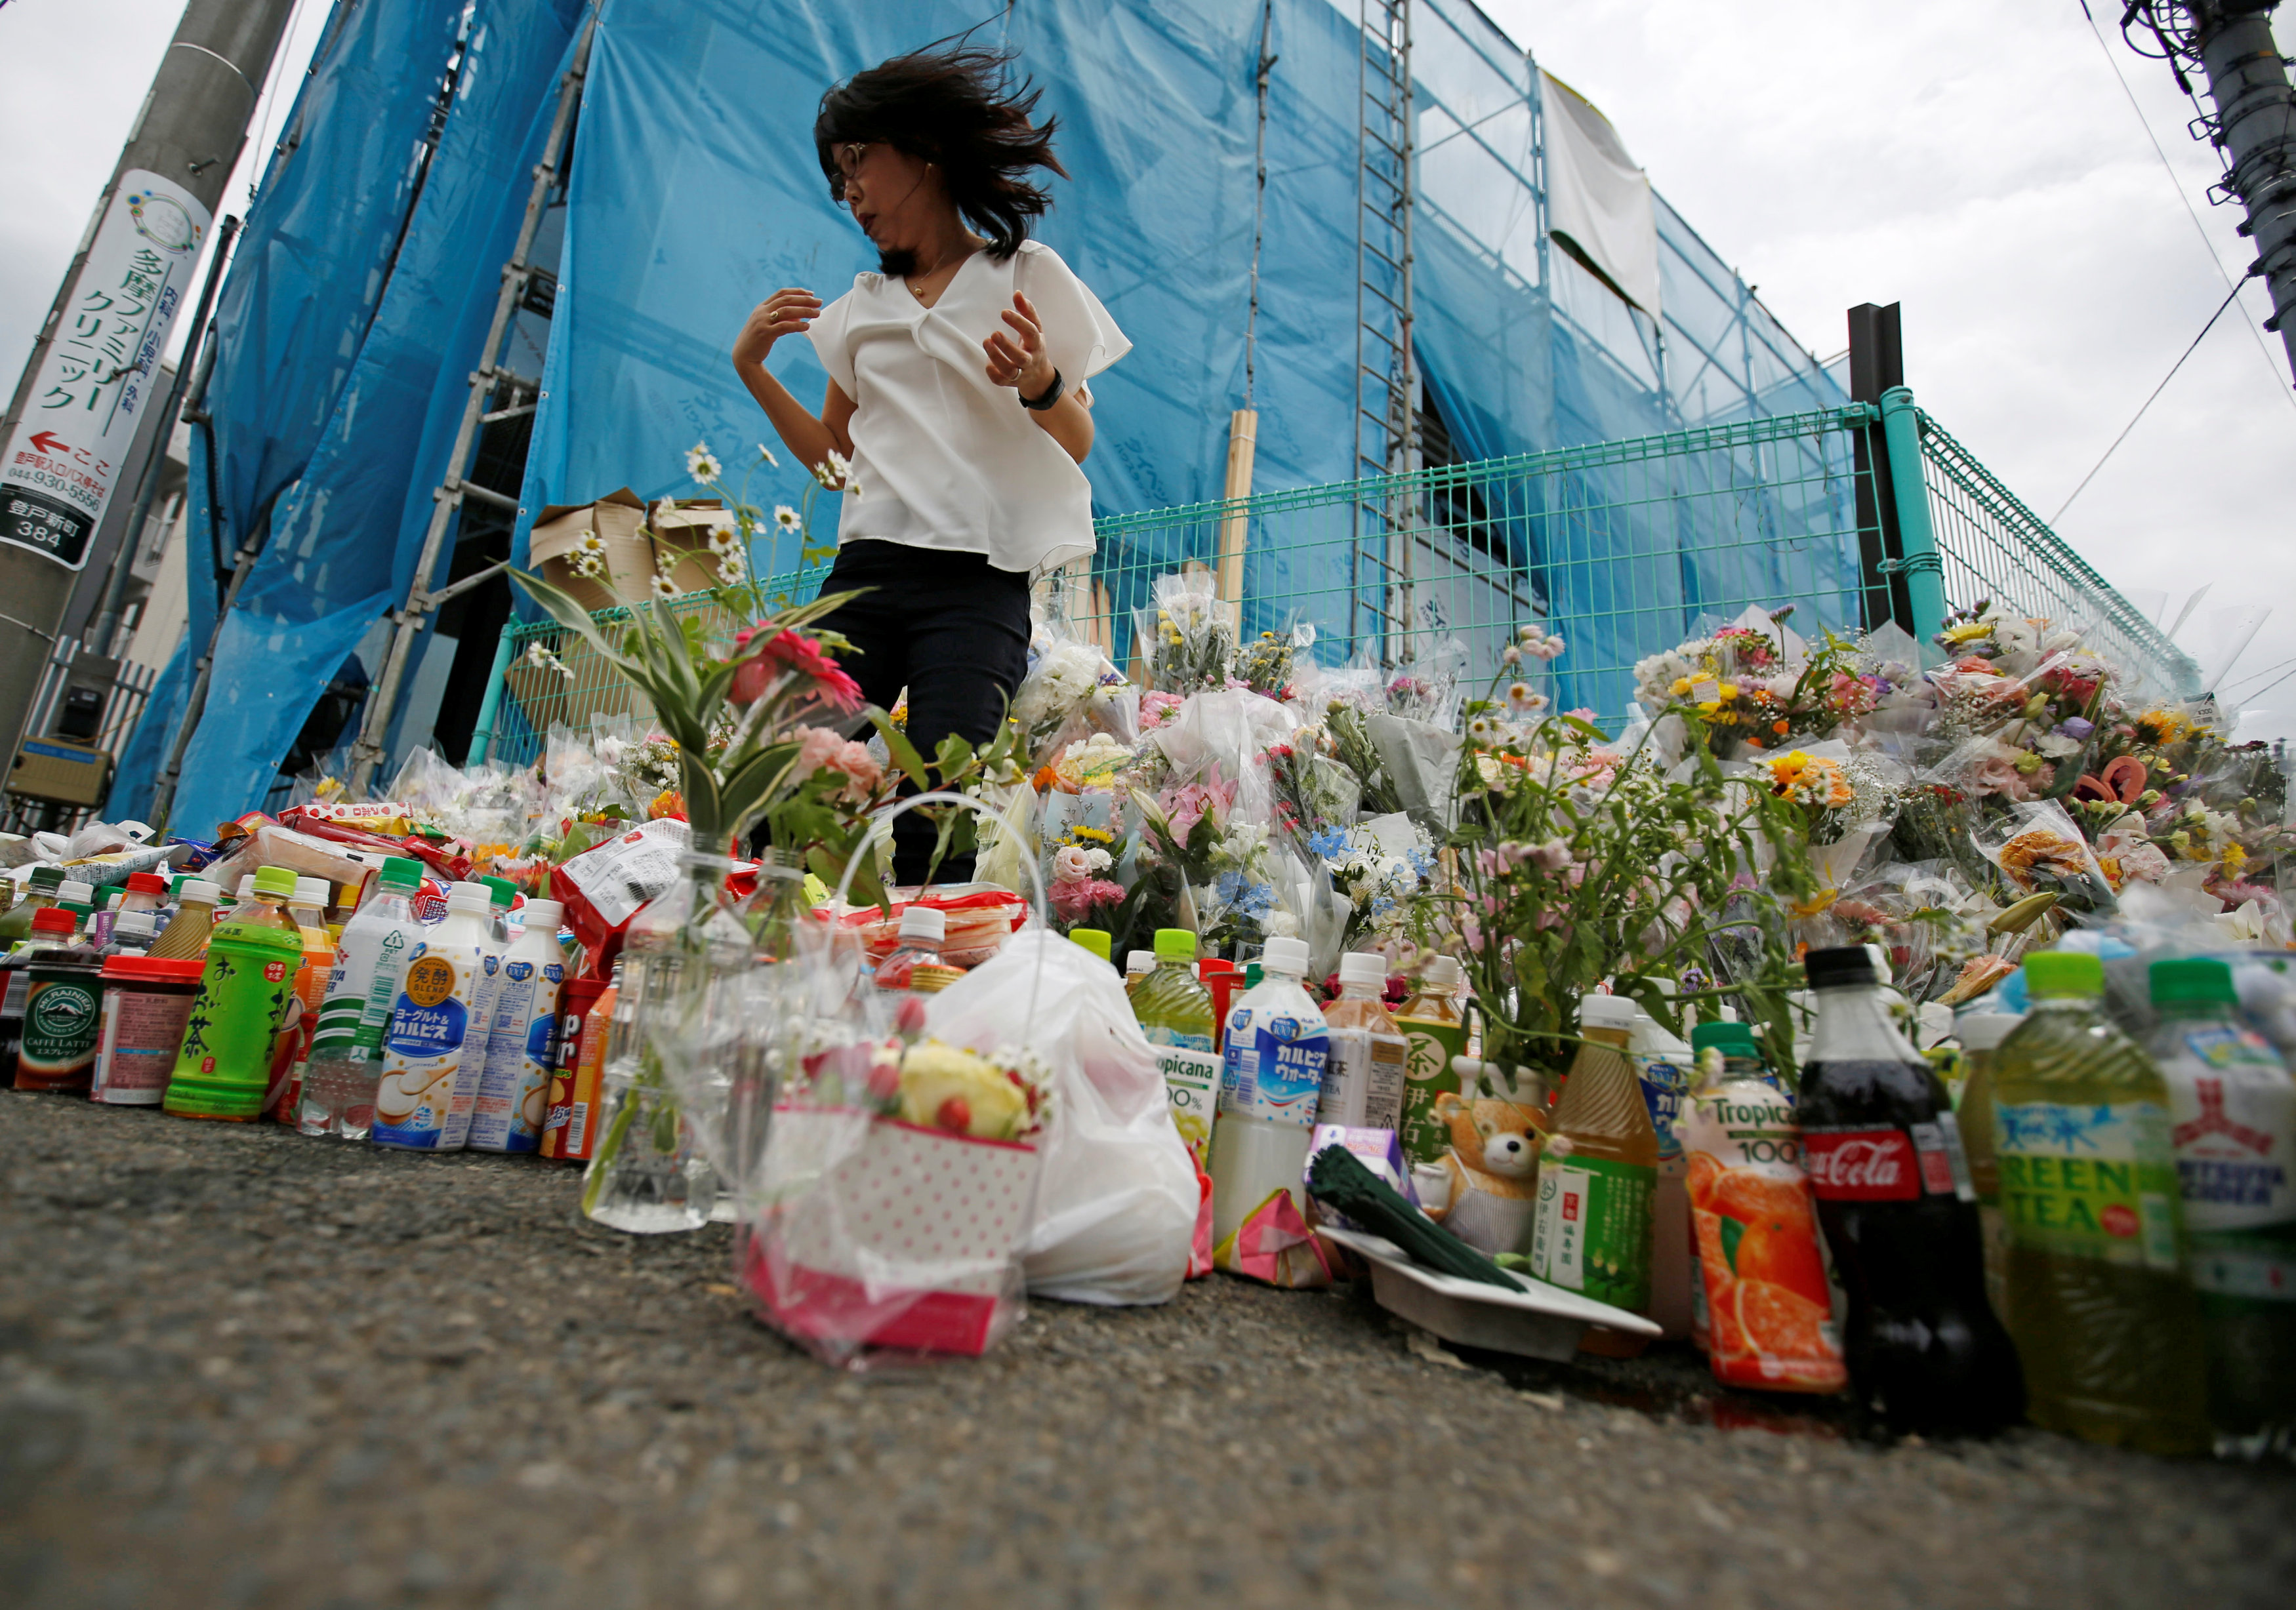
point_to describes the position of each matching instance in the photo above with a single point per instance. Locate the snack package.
(603, 889)
(385, 820)
(308, 855)
(979, 917)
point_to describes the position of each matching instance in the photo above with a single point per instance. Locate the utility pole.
(94, 369)
(2230, 43)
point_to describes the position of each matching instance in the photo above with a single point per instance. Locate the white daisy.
(589, 564)
(663, 587)
(731, 571)
(701, 463)
(589, 543)
(785, 516)
(766, 454)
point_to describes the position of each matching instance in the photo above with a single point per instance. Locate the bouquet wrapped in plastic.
(1191, 638)
(1265, 664)
(1071, 692)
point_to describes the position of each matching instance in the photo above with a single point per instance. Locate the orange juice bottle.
(1592, 1230)
(1765, 1307)
(307, 908)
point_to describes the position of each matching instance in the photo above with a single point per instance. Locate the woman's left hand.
(1017, 357)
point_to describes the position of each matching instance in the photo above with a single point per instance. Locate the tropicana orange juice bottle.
(1767, 1307)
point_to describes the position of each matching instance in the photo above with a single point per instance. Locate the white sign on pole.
(101, 369)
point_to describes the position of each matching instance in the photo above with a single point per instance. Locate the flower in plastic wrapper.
(1091, 763)
(1156, 707)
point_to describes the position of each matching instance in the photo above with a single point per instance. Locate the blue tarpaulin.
(694, 192)
(344, 537)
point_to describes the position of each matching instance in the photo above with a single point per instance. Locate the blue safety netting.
(694, 192)
(345, 534)
(306, 279)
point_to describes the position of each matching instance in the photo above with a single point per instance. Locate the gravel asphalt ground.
(240, 1368)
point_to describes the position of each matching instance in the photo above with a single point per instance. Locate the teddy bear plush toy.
(1493, 1166)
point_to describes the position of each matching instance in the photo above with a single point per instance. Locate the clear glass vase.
(771, 1007)
(674, 1056)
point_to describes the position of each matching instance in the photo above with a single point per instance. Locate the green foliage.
(1576, 865)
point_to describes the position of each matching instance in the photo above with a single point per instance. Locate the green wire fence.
(1624, 548)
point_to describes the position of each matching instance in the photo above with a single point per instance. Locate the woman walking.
(958, 391)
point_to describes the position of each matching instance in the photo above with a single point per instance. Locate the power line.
(2157, 391)
(2246, 698)
(2268, 670)
(2177, 185)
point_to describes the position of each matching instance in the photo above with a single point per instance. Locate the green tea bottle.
(1175, 1012)
(40, 893)
(1436, 1033)
(2099, 1304)
(224, 1070)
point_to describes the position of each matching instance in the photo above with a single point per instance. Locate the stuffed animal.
(1493, 1165)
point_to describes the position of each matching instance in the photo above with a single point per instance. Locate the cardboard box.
(619, 519)
(681, 542)
(59, 770)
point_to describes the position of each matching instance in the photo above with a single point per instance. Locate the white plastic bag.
(1116, 1198)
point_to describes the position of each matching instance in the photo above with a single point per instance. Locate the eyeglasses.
(847, 158)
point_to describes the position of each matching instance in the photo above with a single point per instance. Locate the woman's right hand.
(786, 312)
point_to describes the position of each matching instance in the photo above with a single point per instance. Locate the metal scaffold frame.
(498, 393)
(1385, 381)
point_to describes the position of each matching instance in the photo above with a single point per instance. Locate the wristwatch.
(1051, 395)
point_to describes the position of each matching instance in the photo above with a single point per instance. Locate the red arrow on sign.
(48, 441)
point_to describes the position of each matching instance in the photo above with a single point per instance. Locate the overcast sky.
(1977, 163)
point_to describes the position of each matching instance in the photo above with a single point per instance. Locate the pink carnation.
(1072, 902)
(1156, 708)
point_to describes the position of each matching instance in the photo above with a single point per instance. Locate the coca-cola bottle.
(1899, 1213)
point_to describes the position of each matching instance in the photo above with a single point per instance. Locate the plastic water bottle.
(922, 930)
(435, 1051)
(2233, 1123)
(1362, 1087)
(355, 1011)
(1271, 1079)
(523, 1042)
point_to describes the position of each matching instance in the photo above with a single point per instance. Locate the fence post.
(482, 735)
(1923, 570)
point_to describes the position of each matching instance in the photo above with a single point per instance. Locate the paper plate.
(1539, 1320)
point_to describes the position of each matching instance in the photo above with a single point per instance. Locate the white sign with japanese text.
(101, 369)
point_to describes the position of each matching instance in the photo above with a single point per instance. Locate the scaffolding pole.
(373, 744)
(1386, 382)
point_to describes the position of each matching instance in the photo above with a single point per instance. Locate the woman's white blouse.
(945, 458)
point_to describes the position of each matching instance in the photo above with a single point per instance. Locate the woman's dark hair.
(954, 108)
